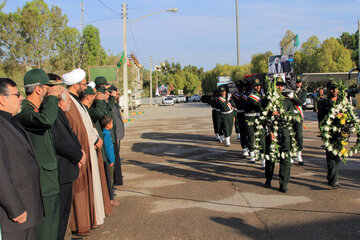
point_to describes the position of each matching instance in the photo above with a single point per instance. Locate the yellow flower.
(339, 115)
(344, 135)
(343, 151)
(342, 121)
(344, 143)
(345, 115)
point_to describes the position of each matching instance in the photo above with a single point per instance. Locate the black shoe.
(267, 184)
(283, 189)
(336, 185)
(77, 238)
(301, 163)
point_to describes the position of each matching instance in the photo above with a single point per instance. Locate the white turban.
(92, 84)
(73, 77)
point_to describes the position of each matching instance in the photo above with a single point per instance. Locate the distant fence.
(155, 100)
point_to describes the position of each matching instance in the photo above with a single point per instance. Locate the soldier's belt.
(240, 111)
(227, 112)
(252, 114)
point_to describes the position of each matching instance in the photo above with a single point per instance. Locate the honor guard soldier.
(227, 113)
(325, 105)
(298, 100)
(252, 111)
(284, 142)
(240, 99)
(216, 115)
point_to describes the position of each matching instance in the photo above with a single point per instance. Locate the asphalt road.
(181, 184)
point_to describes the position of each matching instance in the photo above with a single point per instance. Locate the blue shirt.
(109, 146)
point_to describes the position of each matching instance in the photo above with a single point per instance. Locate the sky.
(203, 32)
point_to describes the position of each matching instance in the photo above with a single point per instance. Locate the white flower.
(328, 122)
(353, 130)
(326, 129)
(330, 148)
(326, 144)
(267, 157)
(335, 152)
(355, 151)
(335, 128)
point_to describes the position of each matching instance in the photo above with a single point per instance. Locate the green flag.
(122, 60)
(296, 40)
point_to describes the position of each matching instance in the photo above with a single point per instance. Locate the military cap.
(112, 88)
(222, 88)
(331, 84)
(239, 83)
(53, 76)
(298, 79)
(100, 80)
(39, 76)
(279, 81)
(89, 91)
(256, 82)
(101, 90)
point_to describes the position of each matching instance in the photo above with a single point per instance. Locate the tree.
(94, 54)
(260, 62)
(306, 60)
(70, 45)
(287, 44)
(31, 34)
(334, 57)
(351, 41)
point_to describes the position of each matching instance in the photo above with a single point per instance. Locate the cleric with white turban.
(73, 77)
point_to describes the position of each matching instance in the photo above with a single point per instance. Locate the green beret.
(279, 81)
(100, 80)
(298, 79)
(332, 84)
(101, 90)
(39, 76)
(89, 91)
(256, 82)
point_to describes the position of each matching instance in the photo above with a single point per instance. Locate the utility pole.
(359, 43)
(125, 77)
(237, 33)
(82, 16)
(151, 102)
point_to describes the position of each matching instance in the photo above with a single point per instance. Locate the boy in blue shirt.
(107, 125)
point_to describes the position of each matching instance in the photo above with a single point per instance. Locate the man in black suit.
(21, 208)
(71, 158)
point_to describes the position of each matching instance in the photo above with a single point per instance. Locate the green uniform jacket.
(298, 100)
(37, 123)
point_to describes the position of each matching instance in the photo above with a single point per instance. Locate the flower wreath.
(341, 121)
(276, 103)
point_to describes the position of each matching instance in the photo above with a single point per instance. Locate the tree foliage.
(287, 43)
(259, 62)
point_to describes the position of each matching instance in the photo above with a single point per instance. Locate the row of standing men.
(243, 107)
(60, 155)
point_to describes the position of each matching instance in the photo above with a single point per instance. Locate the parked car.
(181, 99)
(197, 98)
(190, 99)
(309, 102)
(168, 101)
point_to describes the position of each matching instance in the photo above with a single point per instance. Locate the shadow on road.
(338, 228)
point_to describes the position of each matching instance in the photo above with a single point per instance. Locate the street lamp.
(125, 77)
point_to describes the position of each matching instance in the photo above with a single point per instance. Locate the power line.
(133, 37)
(108, 7)
(98, 20)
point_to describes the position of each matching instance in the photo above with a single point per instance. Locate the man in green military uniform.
(298, 100)
(283, 136)
(216, 114)
(37, 116)
(252, 111)
(240, 103)
(325, 106)
(226, 106)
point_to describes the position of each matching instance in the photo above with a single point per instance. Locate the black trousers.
(27, 234)
(65, 198)
(118, 178)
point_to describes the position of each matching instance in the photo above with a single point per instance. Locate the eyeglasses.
(16, 94)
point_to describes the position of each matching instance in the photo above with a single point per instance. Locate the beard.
(80, 93)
